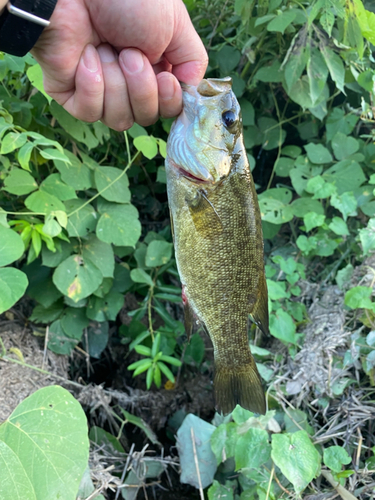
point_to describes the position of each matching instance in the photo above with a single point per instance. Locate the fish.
(217, 234)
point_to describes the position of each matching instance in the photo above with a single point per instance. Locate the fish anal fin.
(259, 314)
(188, 315)
(238, 385)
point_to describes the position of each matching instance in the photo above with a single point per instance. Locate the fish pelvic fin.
(238, 385)
(259, 314)
(188, 315)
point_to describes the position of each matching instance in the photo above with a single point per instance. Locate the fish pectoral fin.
(259, 314)
(172, 227)
(239, 385)
(188, 315)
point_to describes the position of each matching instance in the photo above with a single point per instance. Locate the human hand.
(119, 61)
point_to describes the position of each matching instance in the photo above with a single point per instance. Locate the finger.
(117, 112)
(142, 86)
(86, 103)
(170, 95)
(186, 51)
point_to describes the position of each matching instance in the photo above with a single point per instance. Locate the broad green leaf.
(302, 206)
(366, 235)
(276, 290)
(54, 185)
(282, 21)
(359, 297)
(43, 202)
(82, 220)
(79, 130)
(346, 203)
(147, 145)
(335, 66)
(19, 182)
(247, 112)
(13, 284)
(158, 253)
(252, 449)
(295, 66)
(35, 75)
(275, 211)
(344, 276)
(318, 154)
(11, 246)
(317, 73)
(48, 434)
(24, 155)
(113, 184)
(335, 457)
(58, 341)
(77, 277)
(218, 491)
(54, 154)
(312, 220)
(347, 175)
(339, 226)
(140, 276)
(320, 188)
(15, 483)
(49, 314)
(295, 420)
(366, 80)
(283, 166)
(100, 253)
(338, 121)
(119, 224)
(73, 321)
(107, 307)
(268, 74)
(282, 326)
(12, 141)
(195, 428)
(281, 194)
(136, 130)
(344, 146)
(76, 174)
(53, 259)
(296, 457)
(272, 136)
(228, 57)
(97, 337)
(195, 349)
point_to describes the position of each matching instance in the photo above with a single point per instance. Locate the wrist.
(2, 5)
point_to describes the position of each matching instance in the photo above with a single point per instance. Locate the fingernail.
(90, 58)
(132, 60)
(106, 53)
(166, 88)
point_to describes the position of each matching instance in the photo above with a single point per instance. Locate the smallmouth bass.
(217, 235)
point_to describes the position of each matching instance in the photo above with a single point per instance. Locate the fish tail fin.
(238, 385)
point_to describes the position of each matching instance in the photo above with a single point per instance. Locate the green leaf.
(302, 206)
(347, 175)
(228, 58)
(344, 146)
(317, 73)
(140, 276)
(275, 211)
(76, 174)
(83, 221)
(58, 341)
(147, 145)
(40, 432)
(312, 220)
(54, 154)
(366, 80)
(73, 321)
(272, 136)
(337, 121)
(295, 66)
(13, 284)
(136, 130)
(295, 420)
(53, 259)
(77, 277)
(54, 185)
(11, 246)
(24, 155)
(335, 66)
(367, 237)
(343, 276)
(252, 449)
(119, 190)
(283, 166)
(276, 290)
(339, 226)
(318, 154)
(97, 338)
(282, 21)
(268, 74)
(320, 188)
(247, 112)
(219, 491)
(296, 457)
(35, 75)
(202, 432)
(335, 457)
(119, 224)
(282, 326)
(19, 182)
(359, 297)
(101, 253)
(15, 483)
(158, 253)
(77, 129)
(42, 202)
(12, 141)
(346, 203)
(142, 425)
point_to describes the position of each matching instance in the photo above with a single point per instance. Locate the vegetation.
(84, 220)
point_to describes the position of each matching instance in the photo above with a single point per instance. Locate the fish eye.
(229, 118)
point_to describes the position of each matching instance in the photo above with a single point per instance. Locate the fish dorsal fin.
(214, 86)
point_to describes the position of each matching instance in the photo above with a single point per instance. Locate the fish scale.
(219, 252)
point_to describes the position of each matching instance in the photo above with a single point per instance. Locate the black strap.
(17, 35)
